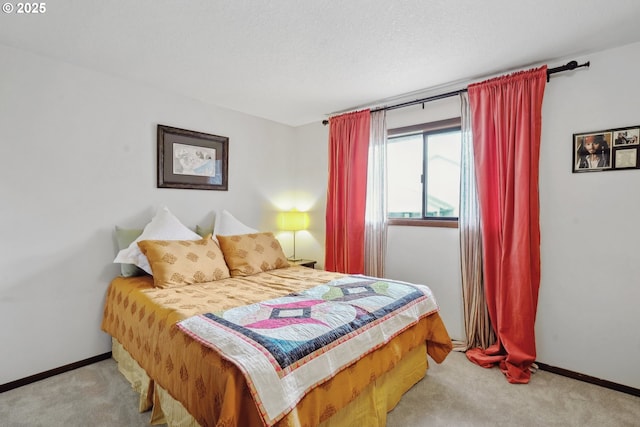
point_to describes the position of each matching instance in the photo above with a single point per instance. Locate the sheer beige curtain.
(478, 330)
(375, 234)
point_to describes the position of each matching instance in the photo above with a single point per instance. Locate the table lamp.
(293, 221)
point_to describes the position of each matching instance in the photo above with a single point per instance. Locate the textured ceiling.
(295, 61)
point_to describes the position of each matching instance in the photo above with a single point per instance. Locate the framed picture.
(189, 159)
(605, 150)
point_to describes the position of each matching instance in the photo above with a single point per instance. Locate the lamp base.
(293, 259)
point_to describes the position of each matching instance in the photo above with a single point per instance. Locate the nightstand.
(304, 263)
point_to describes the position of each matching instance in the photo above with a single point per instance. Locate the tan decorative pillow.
(183, 262)
(248, 254)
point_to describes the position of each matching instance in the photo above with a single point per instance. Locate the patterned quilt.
(288, 345)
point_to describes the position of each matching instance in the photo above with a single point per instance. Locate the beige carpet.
(455, 393)
(459, 393)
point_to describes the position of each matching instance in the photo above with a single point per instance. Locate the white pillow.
(163, 226)
(228, 225)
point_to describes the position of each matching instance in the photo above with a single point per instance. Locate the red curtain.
(506, 124)
(347, 192)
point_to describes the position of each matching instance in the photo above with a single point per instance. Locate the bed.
(188, 381)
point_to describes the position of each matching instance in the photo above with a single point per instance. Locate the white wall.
(588, 312)
(79, 157)
(430, 256)
(311, 165)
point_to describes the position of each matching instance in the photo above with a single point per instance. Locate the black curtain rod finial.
(325, 122)
(571, 65)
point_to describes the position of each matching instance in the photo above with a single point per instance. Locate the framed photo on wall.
(190, 159)
(610, 149)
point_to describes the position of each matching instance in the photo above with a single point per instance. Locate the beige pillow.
(248, 254)
(184, 262)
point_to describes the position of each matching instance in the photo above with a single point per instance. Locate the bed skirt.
(369, 408)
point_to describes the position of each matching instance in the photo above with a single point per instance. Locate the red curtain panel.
(506, 123)
(347, 192)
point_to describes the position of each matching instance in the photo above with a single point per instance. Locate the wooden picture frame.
(606, 150)
(193, 160)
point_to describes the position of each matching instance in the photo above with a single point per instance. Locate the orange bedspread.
(142, 318)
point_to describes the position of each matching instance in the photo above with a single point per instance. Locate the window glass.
(424, 174)
(443, 175)
(404, 176)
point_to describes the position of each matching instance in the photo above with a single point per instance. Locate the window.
(423, 167)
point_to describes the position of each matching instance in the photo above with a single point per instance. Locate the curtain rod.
(571, 65)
